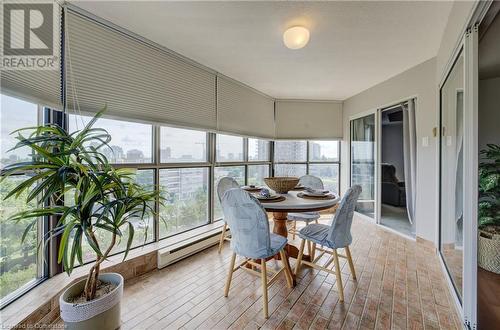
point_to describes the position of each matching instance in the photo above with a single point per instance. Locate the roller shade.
(38, 83)
(242, 110)
(135, 79)
(308, 119)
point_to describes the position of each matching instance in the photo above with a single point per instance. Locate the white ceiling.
(353, 45)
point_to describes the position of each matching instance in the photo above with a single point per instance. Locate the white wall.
(419, 82)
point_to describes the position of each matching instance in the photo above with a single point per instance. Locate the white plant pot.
(102, 313)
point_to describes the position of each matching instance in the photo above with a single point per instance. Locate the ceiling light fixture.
(296, 37)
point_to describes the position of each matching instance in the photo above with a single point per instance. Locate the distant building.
(135, 156)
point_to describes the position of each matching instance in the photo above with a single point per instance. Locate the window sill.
(40, 304)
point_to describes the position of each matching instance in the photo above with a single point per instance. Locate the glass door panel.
(451, 174)
(363, 162)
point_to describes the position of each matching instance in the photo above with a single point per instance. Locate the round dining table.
(294, 203)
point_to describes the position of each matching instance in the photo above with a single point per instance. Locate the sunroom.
(234, 164)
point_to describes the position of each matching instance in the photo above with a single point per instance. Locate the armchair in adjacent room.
(393, 190)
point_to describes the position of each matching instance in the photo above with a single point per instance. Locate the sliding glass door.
(451, 178)
(363, 162)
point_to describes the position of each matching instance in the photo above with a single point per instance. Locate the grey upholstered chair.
(251, 239)
(225, 184)
(308, 181)
(332, 237)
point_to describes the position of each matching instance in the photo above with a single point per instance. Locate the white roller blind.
(134, 79)
(308, 119)
(39, 83)
(242, 110)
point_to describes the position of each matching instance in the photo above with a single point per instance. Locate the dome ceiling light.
(296, 37)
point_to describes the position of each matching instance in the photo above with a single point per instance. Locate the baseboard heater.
(176, 252)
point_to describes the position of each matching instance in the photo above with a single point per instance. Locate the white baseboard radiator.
(176, 252)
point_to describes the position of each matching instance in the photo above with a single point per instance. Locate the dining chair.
(308, 181)
(330, 238)
(252, 240)
(225, 184)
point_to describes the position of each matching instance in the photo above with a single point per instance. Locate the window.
(297, 170)
(15, 114)
(258, 150)
(186, 204)
(257, 173)
(179, 145)
(131, 142)
(290, 151)
(18, 261)
(318, 158)
(329, 174)
(229, 148)
(236, 172)
(324, 151)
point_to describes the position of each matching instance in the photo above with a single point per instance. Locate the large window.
(229, 148)
(290, 151)
(186, 199)
(318, 158)
(18, 261)
(179, 145)
(257, 173)
(131, 142)
(258, 150)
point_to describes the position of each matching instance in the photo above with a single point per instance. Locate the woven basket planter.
(102, 313)
(281, 184)
(488, 252)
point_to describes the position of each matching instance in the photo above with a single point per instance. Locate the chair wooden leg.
(230, 275)
(309, 247)
(351, 264)
(222, 236)
(299, 258)
(263, 275)
(338, 275)
(294, 229)
(313, 252)
(286, 266)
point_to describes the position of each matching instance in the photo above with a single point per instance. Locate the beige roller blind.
(135, 79)
(242, 110)
(26, 73)
(308, 119)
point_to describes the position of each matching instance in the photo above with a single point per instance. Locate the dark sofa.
(393, 190)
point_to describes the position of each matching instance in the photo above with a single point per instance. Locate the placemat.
(301, 195)
(280, 199)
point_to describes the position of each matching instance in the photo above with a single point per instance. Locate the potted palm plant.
(101, 204)
(489, 209)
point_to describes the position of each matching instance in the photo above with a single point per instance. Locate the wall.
(392, 148)
(489, 111)
(453, 33)
(419, 82)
